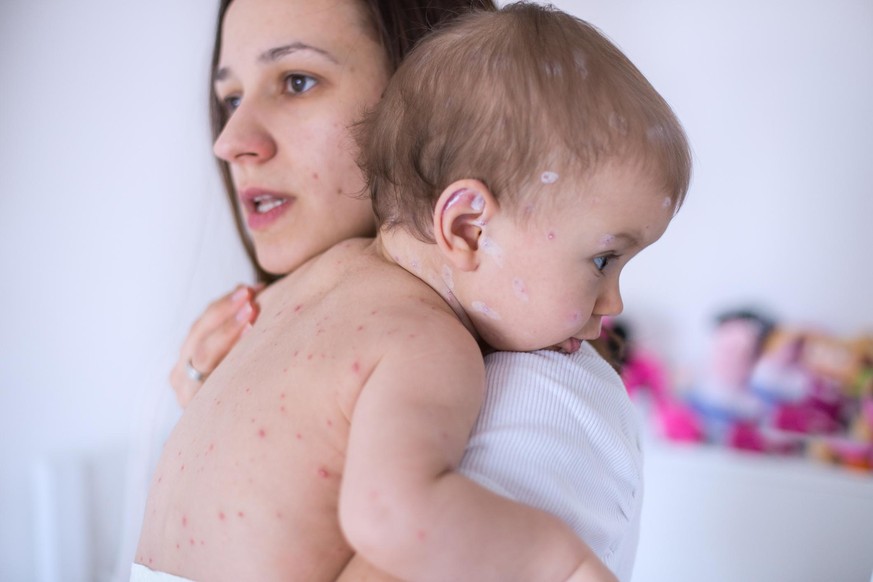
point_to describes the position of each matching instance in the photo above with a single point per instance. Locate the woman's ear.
(461, 213)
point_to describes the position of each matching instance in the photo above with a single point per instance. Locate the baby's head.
(537, 157)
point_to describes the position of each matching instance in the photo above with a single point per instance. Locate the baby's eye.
(601, 262)
(297, 83)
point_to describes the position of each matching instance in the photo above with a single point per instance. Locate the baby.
(516, 162)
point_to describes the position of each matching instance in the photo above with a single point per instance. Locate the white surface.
(717, 515)
(114, 232)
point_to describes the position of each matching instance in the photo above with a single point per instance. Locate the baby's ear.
(461, 212)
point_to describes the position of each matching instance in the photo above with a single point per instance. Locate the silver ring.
(193, 372)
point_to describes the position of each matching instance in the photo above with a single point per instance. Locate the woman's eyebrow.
(276, 53)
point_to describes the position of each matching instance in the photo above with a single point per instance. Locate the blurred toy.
(644, 374)
(721, 398)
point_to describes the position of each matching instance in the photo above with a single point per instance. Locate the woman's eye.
(297, 83)
(231, 103)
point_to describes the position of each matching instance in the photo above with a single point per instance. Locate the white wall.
(776, 98)
(113, 229)
(114, 233)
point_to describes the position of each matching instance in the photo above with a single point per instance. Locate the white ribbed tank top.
(558, 432)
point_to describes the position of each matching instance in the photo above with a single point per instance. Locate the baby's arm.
(403, 506)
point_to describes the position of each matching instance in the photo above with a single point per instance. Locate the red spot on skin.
(421, 535)
(178, 546)
(285, 369)
(184, 521)
(240, 514)
(360, 328)
(282, 396)
(356, 367)
(160, 478)
(202, 542)
(299, 437)
(221, 515)
(315, 175)
(309, 356)
(182, 468)
(551, 235)
(296, 352)
(298, 308)
(329, 422)
(282, 409)
(248, 390)
(179, 454)
(374, 312)
(211, 447)
(252, 420)
(151, 560)
(278, 515)
(411, 336)
(322, 472)
(217, 402)
(192, 541)
(262, 433)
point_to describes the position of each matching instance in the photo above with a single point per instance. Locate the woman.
(289, 78)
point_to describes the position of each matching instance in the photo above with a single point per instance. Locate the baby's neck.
(425, 261)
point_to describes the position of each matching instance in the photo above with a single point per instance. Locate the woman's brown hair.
(398, 24)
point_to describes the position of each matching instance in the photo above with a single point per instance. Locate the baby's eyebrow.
(621, 237)
(274, 54)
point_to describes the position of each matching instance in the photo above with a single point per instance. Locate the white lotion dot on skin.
(489, 247)
(520, 290)
(485, 310)
(478, 203)
(448, 278)
(549, 177)
(606, 240)
(667, 203)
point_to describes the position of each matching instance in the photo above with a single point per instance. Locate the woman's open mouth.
(263, 208)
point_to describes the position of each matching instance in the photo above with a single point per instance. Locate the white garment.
(139, 573)
(558, 432)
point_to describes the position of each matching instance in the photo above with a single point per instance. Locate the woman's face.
(294, 75)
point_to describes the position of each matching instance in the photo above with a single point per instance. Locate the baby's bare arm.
(405, 509)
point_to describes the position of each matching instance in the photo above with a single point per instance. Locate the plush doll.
(721, 396)
(643, 373)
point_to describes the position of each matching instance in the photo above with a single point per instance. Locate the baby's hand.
(211, 338)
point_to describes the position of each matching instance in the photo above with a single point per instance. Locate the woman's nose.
(244, 138)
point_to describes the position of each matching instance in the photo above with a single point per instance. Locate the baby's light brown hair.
(513, 98)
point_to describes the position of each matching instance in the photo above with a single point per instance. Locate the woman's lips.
(263, 208)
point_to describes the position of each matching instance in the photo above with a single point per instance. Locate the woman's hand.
(211, 338)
